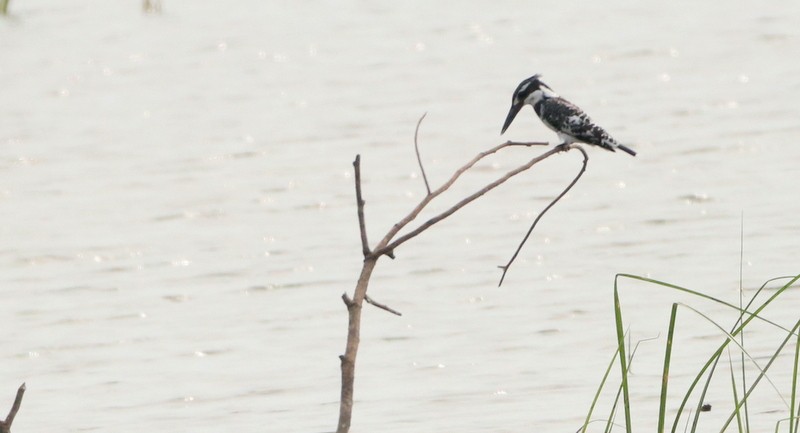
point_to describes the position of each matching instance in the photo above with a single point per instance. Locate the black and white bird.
(565, 118)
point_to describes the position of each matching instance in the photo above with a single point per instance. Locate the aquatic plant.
(742, 386)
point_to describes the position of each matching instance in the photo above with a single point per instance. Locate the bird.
(571, 123)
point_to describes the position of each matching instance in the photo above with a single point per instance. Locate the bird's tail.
(609, 143)
(626, 149)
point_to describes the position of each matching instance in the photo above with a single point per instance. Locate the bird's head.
(529, 92)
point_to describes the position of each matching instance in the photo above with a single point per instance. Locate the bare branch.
(419, 159)
(348, 360)
(5, 426)
(347, 301)
(525, 143)
(552, 203)
(362, 226)
(382, 306)
(385, 247)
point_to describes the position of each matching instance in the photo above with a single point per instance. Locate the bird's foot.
(563, 147)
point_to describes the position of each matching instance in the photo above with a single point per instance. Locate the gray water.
(178, 224)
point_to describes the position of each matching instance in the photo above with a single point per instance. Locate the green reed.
(741, 387)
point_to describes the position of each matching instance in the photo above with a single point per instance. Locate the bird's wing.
(568, 118)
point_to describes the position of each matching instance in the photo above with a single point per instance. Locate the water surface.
(178, 220)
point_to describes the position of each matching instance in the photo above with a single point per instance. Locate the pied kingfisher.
(565, 118)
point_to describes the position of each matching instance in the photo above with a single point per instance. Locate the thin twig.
(419, 159)
(382, 306)
(384, 247)
(525, 143)
(362, 226)
(552, 203)
(5, 426)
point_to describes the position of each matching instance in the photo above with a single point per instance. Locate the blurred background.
(178, 223)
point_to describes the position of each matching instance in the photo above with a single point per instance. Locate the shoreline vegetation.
(747, 371)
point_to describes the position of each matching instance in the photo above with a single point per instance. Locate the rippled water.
(178, 220)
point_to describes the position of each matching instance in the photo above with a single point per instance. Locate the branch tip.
(347, 301)
(419, 158)
(5, 426)
(382, 306)
(362, 225)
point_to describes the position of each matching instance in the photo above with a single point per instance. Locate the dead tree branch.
(388, 244)
(552, 203)
(382, 306)
(362, 226)
(419, 159)
(348, 360)
(5, 426)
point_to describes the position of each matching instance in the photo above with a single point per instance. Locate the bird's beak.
(512, 113)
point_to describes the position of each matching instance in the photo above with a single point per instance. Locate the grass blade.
(599, 389)
(793, 416)
(778, 424)
(665, 375)
(735, 392)
(698, 409)
(724, 344)
(792, 280)
(712, 361)
(744, 351)
(761, 375)
(613, 415)
(622, 359)
(610, 425)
